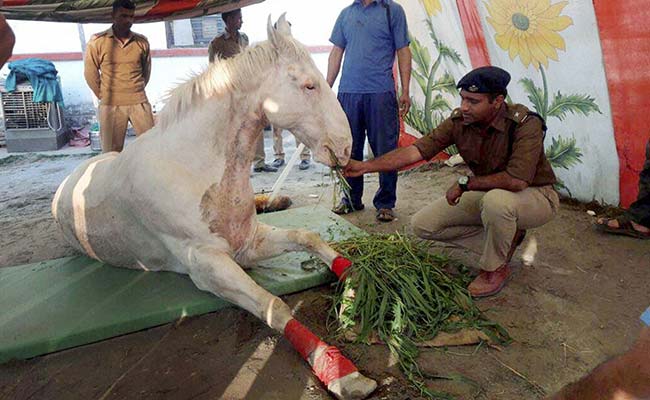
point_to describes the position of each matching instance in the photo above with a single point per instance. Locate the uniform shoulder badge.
(518, 113)
(456, 113)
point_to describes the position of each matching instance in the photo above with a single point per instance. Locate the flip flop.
(624, 228)
(385, 215)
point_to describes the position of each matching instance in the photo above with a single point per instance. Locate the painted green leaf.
(535, 95)
(563, 153)
(573, 103)
(421, 80)
(439, 103)
(446, 83)
(415, 118)
(420, 55)
(559, 185)
(450, 54)
(432, 33)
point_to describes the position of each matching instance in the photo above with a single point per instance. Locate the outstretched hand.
(354, 168)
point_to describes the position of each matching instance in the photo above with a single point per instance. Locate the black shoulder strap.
(390, 26)
(515, 125)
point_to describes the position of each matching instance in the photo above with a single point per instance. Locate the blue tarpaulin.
(42, 76)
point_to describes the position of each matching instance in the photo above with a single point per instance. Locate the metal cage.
(20, 112)
(26, 122)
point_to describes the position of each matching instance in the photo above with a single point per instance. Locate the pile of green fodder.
(403, 296)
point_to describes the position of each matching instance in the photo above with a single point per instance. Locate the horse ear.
(283, 25)
(270, 31)
(278, 31)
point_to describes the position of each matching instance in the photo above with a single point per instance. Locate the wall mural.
(531, 39)
(433, 83)
(529, 30)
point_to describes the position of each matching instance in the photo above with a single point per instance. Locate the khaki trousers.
(113, 121)
(260, 158)
(498, 213)
(278, 147)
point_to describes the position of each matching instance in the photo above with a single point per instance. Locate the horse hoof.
(352, 386)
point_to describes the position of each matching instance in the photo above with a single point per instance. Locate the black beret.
(485, 80)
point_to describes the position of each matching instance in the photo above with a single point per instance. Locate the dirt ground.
(575, 306)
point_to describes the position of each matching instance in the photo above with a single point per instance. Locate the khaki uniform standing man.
(511, 186)
(117, 68)
(230, 43)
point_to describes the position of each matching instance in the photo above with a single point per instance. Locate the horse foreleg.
(216, 272)
(270, 241)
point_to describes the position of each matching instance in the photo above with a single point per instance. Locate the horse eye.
(310, 87)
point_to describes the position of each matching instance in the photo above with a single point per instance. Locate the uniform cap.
(485, 80)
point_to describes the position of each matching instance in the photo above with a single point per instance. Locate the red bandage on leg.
(301, 338)
(330, 364)
(340, 265)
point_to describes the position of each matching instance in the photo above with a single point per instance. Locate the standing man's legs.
(112, 127)
(259, 161)
(278, 148)
(382, 121)
(141, 117)
(306, 154)
(352, 104)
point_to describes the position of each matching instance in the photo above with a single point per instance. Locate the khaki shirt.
(491, 151)
(227, 45)
(117, 73)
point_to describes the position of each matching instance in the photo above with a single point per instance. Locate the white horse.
(179, 198)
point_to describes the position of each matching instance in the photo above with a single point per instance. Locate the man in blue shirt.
(370, 33)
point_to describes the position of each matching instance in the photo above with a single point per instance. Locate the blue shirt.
(364, 34)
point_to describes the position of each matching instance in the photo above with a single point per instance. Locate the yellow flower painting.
(528, 29)
(432, 7)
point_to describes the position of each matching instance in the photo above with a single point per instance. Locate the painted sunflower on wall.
(528, 29)
(432, 7)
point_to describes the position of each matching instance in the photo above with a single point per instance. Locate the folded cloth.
(41, 75)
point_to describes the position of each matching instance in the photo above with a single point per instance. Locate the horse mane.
(235, 74)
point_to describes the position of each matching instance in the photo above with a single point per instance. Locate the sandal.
(385, 215)
(345, 208)
(624, 228)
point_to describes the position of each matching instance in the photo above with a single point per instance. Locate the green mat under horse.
(58, 304)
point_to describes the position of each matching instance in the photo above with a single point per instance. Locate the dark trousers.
(374, 115)
(639, 211)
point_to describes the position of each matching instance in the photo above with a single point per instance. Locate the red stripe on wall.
(473, 31)
(625, 40)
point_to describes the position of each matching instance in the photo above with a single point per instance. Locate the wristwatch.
(462, 182)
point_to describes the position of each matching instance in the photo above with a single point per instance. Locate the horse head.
(297, 97)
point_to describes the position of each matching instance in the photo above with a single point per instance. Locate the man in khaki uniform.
(230, 43)
(511, 188)
(117, 67)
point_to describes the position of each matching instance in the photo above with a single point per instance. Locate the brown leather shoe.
(488, 283)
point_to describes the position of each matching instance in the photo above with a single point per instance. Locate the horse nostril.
(347, 152)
